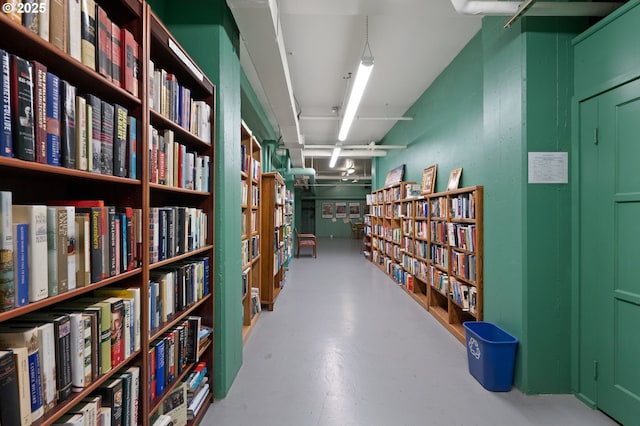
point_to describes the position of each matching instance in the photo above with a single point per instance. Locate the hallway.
(345, 346)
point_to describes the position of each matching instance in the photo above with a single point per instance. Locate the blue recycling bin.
(491, 353)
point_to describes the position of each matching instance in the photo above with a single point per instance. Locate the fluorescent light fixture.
(334, 156)
(357, 90)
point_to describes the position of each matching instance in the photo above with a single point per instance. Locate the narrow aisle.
(345, 346)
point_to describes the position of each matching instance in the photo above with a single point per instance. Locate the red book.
(40, 110)
(116, 54)
(104, 43)
(152, 374)
(129, 59)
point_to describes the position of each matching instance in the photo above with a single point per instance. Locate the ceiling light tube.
(334, 156)
(357, 90)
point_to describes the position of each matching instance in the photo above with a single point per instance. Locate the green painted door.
(610, 253)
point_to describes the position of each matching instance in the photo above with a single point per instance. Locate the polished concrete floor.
(345, 346)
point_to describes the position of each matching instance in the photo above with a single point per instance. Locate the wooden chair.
(305, 240)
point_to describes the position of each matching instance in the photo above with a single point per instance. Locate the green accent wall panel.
(208, 33)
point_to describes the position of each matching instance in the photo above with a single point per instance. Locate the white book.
(22, 371)
(162, 420)
(72, 247)
(43, 20)
(70, 420)
(78, 376)
(75, 38)
(36, 217)
(135, 394)
(81, 133)
(105, 416)
(47, 341)
(151, 85)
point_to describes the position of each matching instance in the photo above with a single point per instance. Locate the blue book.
(160, 347)
(152, 305)
(21, 267)
(53, 119)
(132, 146)
(6, 143)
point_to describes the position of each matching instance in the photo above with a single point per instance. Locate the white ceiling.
(412, 41)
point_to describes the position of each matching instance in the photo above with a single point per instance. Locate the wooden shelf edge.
(247, 329)
(178, 316)
(160, 187)
(181, 132)
(169, 388)
(180, 257)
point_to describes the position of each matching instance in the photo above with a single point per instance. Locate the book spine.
(64, 354)
(96, 233)
(132, 146)
(135, 394)
(120, 142)
(44, 17)
(30, 19)
(76, 327)
(9, 414)
(35, 385)
(152, 374)
(6, 135)
(21, 267)
(22, 95)
(81, 133)
(96, 131)
(106, 154)
(103, 42)
(7, 269)
(70, 248)
(53, 119)
(69, 125)
(117, 331)
(160, 366)
(40, 110)
(58, 24)
(116, 54)
(88, 33)
(22, 370)
(75, 32)
(111, 246)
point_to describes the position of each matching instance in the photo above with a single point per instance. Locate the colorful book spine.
(36, 217)
(88, 33)
(40, 110)
(81, 133)
(53, 120)
(6, 136)
(68, 121)
(106, 146)
(21, 266)
(132, 142)
(116, 54)
(120, 142)
(7, 274)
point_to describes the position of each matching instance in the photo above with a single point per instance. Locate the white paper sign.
(548, 167)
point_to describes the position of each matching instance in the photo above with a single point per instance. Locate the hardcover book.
(43, 18)
(88, 33)
(82, 137)
(116, 54)
(36, 218)
(96, 132)
(53, 120)
(7, 269)
(6, 135)
(74, 10)
(58, 24)
(10, 400)
(132, 142)
(103, 42)
(27, 338)
(111, 393)
(83, 247)
(68, 120)
(120, 142)
(130, 62)
(21, 360)
(57, 229)
(40, 110)
(20, 263)
(106, 146)
(30, 20)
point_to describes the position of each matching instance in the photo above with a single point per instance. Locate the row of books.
(173, 101)
(249, 165)
(116, 402)
(171, 164)
(439, 256)
(174, 288)
(463, 265)
(43, 119)
(175, 230)
(464, 295)
(462, 236)
(463, 206)
(83, 30)
(255, 194)
(250, 249)
(49, 250)
(171, 353)
(71, 346)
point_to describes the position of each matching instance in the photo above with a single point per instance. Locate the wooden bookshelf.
(38, 183)
(250, 176)
(440, 249)
(274, 244)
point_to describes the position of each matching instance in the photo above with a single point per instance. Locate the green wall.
(507, 93)
(210, 36)
(332, 194)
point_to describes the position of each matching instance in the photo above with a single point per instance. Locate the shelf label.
(185, 60)
(548, 167)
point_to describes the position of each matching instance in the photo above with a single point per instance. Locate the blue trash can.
(491, 352)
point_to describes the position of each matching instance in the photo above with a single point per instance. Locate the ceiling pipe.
(357, 117)
(361, 153)
(348, 147)
(508, 8)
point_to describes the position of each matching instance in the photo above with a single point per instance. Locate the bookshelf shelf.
(130, 201)
(160, 398)
(432, 226)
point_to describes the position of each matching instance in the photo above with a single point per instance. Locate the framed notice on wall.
(354, 210)
(327, 210)
(341, 210)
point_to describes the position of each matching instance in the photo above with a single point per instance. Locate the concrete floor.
(346, 346)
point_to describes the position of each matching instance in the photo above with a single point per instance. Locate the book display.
(274, 238)
(250, 175)
(432, 246)
(106, 214)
